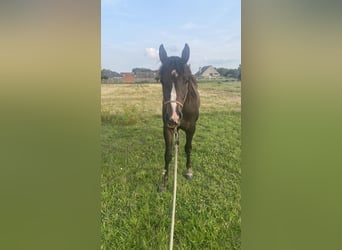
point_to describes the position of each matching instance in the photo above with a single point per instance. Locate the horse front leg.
(188, 147)
(167, 157)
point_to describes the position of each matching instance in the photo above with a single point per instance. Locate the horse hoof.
(188, 176)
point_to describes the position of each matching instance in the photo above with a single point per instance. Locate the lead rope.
(174, 189)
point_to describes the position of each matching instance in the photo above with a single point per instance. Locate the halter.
(178, 102)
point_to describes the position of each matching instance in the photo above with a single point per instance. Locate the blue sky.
(132, 30)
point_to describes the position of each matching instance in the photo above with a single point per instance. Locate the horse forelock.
(174, 66)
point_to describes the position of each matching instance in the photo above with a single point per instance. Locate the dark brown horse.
(181, 104)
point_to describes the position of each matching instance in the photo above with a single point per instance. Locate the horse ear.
(162, 53)
(186, 53)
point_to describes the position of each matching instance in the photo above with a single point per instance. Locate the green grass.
(135, 216)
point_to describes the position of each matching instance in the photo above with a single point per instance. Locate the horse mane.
(192, 87)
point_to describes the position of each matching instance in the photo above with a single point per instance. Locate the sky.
(132, 31)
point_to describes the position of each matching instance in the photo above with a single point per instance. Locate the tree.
(222, 71)
(107, 73)
(135, 70)
(231, 73)
(239, 72)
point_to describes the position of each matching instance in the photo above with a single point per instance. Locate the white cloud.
(210, 41)
(151, 52)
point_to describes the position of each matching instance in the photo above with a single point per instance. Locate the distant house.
(207, 72)
(108, 76)
(148, 76)
(127, 77)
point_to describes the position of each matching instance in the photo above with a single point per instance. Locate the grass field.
(133, 214)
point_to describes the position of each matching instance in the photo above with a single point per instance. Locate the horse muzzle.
(175, 119)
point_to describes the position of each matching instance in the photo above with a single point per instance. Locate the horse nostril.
(172, 122)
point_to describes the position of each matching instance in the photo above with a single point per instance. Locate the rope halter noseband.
(178, 102)
(181, 104)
